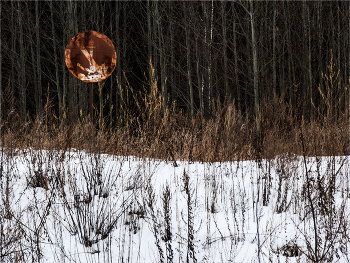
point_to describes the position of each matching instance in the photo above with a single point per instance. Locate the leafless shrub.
(167, 236)
(150, 201)
(95, 208)
(190, 217)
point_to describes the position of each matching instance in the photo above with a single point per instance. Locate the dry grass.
(228, 136)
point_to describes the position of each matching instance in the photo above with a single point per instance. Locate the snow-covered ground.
(80, 207)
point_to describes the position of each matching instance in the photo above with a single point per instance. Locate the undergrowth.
(151, 130)
(111, 196)
(228, 135)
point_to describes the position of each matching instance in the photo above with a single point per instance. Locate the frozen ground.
(79, 207)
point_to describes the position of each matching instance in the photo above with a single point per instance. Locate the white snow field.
(80, 207)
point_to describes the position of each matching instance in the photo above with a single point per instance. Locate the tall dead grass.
(227, 136)
(172, 134)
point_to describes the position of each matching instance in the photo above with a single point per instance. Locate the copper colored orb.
(90, 56)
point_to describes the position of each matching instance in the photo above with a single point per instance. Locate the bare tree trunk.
(155, 48)
(111, 86)
(206, 80)
(188, 58)
(320, 56)
(291, 71)
(149, 27)
(0, 89)
(274, 74)
(21, 65)
(100, 96)
(101, 83)
(84, 89)
(172, 55)
(249, 93)
(13, 38)
(235, 55)
(223, 18)
(34, 64)
(64, 69)
(255, 67)
(119, 74)
(97, 15)
(102, 8)
(345, 44)
(75, 80)
(347, 51)
(339, 59)
(282, 68)
(56, 65)
(124, 96)
(71, 78)
(201, 105)
(208, 54)
(307, 53)
(161, 58)
(211, 97)
(38, 61)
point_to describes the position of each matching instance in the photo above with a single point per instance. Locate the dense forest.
(194, 152)
(194, 55)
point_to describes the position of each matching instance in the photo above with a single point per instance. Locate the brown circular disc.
(90, 56)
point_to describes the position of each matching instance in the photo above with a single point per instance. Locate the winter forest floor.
(175, 189)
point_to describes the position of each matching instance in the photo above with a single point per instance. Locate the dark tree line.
(196, 52)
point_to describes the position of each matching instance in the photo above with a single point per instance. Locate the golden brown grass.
(227, 136)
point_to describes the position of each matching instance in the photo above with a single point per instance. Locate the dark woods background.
(196, 54)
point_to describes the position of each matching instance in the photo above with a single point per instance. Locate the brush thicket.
(170, 133)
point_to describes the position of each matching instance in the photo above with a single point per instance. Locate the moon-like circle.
(90, 56)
